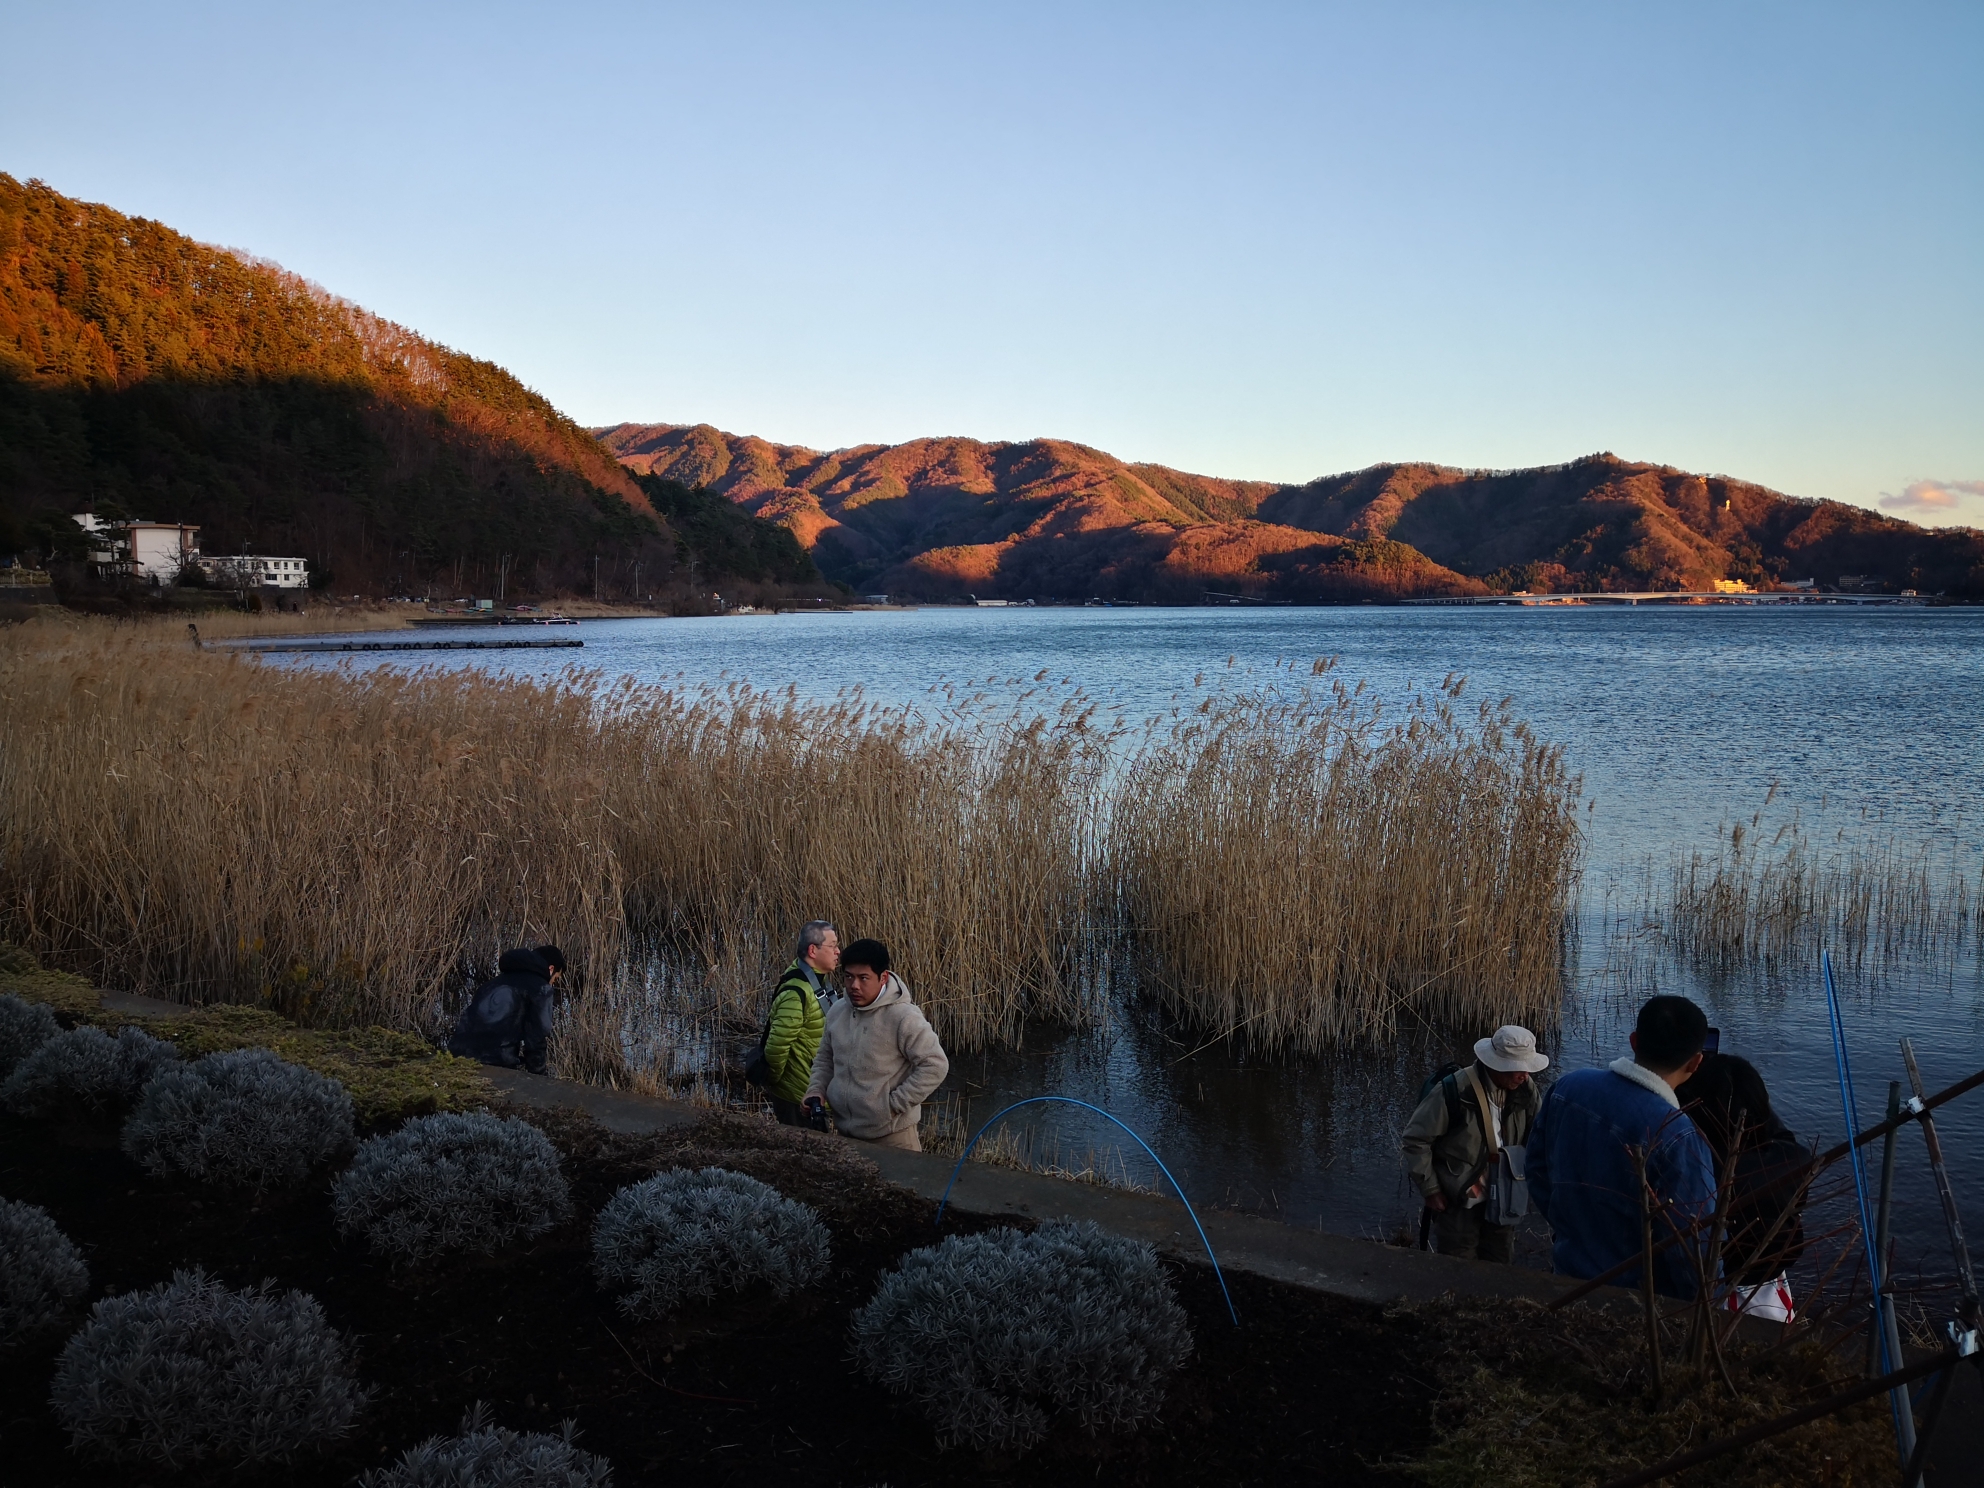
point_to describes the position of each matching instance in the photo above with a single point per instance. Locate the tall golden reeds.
(1771, 894)
(1301, 871)
(351, 847)
(355, 847)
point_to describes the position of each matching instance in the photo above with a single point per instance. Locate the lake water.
(1678, 719)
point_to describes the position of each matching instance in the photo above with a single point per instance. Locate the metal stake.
(1966, 1278)
(1964, 1329)
(1882, 1323)
(1646, 1280)
(1883, 1213)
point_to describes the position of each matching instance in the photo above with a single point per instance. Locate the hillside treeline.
(1046, 518)
(145, 374)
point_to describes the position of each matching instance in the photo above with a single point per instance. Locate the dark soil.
(747, 1392)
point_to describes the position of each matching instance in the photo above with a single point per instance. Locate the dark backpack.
(1444, 1076)
(757, 1070)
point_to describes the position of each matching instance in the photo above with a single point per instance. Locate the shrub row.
(990, 1335)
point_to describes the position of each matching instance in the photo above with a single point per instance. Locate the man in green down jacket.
(1446, 1141)
(793, 1037)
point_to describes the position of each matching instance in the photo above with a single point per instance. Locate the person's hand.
(1437, 1202)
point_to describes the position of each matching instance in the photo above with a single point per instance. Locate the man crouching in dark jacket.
(508, 1021)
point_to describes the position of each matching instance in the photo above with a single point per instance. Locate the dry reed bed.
(1777, 898)
(1304, 871)
(352, 848)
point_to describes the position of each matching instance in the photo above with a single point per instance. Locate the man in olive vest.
(1454, 1134)
(792, 1036)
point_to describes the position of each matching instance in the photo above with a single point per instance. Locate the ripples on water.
(1681, 720)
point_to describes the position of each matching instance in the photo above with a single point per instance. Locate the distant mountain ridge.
(945, 517)
(941, 518)
(143, 373)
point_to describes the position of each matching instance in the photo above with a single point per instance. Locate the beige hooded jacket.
(877, 1065)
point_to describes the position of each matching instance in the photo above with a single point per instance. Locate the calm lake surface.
(1871, 721)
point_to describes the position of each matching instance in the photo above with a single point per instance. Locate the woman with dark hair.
(1730, 1106)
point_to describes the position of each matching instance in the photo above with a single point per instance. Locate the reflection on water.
(1680, 720)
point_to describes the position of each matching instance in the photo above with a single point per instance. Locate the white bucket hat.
(1512, 1048)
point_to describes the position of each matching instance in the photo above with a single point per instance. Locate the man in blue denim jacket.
(1597, 1125)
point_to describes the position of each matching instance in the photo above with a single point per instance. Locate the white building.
(158, 552)
(250, 571)
(153, 552)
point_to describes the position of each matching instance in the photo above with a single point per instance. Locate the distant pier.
(1662, 596)
(432, 644)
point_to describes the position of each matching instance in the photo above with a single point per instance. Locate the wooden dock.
(433, 643)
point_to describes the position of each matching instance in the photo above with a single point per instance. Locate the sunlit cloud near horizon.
(1937, 503)
(1267, 241)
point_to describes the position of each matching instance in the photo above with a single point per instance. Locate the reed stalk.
(1776, 896)
(1303, 872)
(357, 848)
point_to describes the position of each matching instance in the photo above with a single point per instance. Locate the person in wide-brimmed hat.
(1464, 1119)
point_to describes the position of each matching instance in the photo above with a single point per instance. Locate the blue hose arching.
(1068, 1100)
(1852, 1111)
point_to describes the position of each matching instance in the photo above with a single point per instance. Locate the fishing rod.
(1068, 1100)
(1899, 1405)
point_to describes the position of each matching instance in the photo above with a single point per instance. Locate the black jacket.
(1769, 1175)
(508, 1021)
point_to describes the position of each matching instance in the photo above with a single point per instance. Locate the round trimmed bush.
(451, 1182)
(86, 1065)
(693, 1234)
(991, 1334)
(190, 1371)
(244, 1117)
(42, 1274)
(486, 1456)
(24, 1027)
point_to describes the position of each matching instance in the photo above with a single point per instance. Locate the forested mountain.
(943, 517)
(1606, 523)
(145, 374)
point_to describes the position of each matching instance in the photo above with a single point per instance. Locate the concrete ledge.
(147, 1007)
(1337, 1264)
(630, 1115)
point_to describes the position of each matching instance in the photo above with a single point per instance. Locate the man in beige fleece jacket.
(879, 1058)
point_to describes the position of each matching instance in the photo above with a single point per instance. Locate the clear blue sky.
(1245, 240)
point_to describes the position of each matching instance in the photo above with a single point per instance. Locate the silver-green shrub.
(87, 1065)
(451, 1183)
(42, 1273)
(992, 1334)
(190, 1372)
(693, 1234)
(24, 1027)
(486, 1456)
(243, 1118)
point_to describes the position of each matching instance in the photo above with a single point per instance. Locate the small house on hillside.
(152, 552)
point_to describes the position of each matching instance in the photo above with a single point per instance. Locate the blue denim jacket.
(1583, 1177)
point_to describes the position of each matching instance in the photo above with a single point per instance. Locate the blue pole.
(1068, 1100)
(1903, 1434)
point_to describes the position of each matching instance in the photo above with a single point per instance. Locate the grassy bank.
(390, 1074)
(348, 851)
